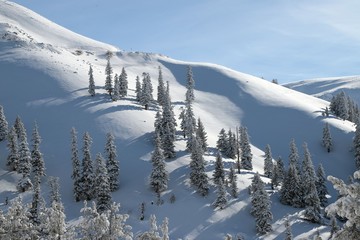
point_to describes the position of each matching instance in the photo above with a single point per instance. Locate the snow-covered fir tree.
(160, 89)
(308, 182)
(290, 192)
(112, 163)
(159, 177)
(339, 105)
(102, 186)
(146, 96)
(157, 123)
(138, 89)
(326, 139)
(19, 126)
(190, 125)
(221, 195)
(56, 223)
(118, 229)
(222, 140)
(190, 84)
(198, 177)
(35, 204)
(12, 160)
(4, 126)
(123, 83)
(24, 161)
(87, 176)
(91, 89)
(182, 121)
(261, 206)
(54, 186)
(233, 183)
(268, 163)
(76, 167)
(347, 207)
(356, 142)
(294, 156)
(38, 164)
(246, 156)
(280, 169)
(219, 173)
(201, 135)
(108, 79)
(94, 225)
(116, 91)
(321, 186)
(231, 145)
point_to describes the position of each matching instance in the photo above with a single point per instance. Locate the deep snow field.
(43, 78)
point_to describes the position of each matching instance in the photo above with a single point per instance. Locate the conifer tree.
(233, 183)
(138, 89)
(112, 164)
(221, 199)
(157, 123)
(116, 91)
(146, 91)
(159, 176)
(24, 161)
(123, 83)
(280, 169)
(201, 135)
(190, 124)
(190, 84)
(334, 226)
(268, 164)
(222, 140)
(35, 204)
(246, 156)
(54, 189)
(108, 80)
(182, 121)
(219, 173)
(231, 145)
(4, 126)
(356, 143)
(76, 171)
(290, 192)
(326, 140)
(288, 233)
(19, 126)
(160, 89)
(102, 186)
(294, 156)
(91, 82)
(198, 177)
(87, 176)
(320, 185)
(38, 164)
(13, 149)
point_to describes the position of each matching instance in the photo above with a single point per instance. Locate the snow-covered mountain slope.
(325, 88)
(43, 78)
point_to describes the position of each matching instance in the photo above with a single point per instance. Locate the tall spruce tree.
(91, 89)
(246, 156)
(38, 164)
(76, 170)
(268, 164)
(160, 89)
(112, 164)
(138, 89)
(108, 79)
(102, 186)
(24, 161)
(123, 83)
(4, 126)
(294, 156)
(201, 135)
(326, 139)
(159, 176)
(233, 183)
(19, 126)
(12, 160)
(146, 96)
(190, 125)
(321, 186)
(87, 176)
(290, 192)
(221, 198)
(356, 143)
(35, 204)
(222, 140)
(231, 145)
(116, 91)
(219, 173)
(190, 84)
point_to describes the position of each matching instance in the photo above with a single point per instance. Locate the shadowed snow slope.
(43, 78)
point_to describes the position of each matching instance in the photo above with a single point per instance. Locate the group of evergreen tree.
(302, 186)
(94, 179)
(344, 107)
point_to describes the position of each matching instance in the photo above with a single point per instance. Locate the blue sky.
(282, 39)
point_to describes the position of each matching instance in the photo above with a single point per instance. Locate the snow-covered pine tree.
(231, 146)
(190, 84)
(146, 91)
(268, 163)
(118, 229)
(343, 106)
(198, 177)
(102, 186)
(87, 176)
(123, 83)
(219, 173)
(93, 225)
(54, 186)
(116, 91)
(159, 177)
(138, 89)
(261, 206)
(182, 120)
(34, 209)
(308, 183)
(280, 169)
(38, 164)
(290, 192)
(190, 125)
(275, 177)
(222, 140)
(12, 160)
(76, 170)
(160, 89)
(233, 183)
(108, 80)
(201, 135)
(4, 126)
(326, 139)
(91, 89)
(56, 223)
(112, 164)
(221, 198)
(347, 207)
(24, 161)
(294, 156)
(246, 156)
(157, 123)
(19, 126)
(321, 186)
(356, 142)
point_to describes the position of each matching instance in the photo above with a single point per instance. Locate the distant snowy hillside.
(325, 88)
(44, 78)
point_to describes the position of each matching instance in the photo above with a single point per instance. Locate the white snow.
(43, 77)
